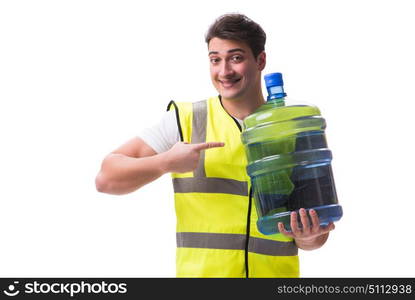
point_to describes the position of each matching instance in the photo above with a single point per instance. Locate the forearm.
(313, 243)
(121, 174)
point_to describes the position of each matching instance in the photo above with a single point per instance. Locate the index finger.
(207, 145)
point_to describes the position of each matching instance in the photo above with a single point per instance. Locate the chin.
(229, 95)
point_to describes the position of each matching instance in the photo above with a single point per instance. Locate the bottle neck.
(276, 101)
(275, 93)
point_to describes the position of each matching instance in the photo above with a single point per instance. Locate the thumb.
(207, 145)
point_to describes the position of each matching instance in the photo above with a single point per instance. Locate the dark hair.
(238, 27)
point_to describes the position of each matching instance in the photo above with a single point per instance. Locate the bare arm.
(129, 167)
(135, 164)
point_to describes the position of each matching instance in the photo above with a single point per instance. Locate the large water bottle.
(288, 160)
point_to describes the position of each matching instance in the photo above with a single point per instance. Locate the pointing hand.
(184, 157)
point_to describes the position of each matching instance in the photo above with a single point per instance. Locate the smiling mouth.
(229, 83)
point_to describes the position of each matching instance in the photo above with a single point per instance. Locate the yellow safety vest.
(217, 234)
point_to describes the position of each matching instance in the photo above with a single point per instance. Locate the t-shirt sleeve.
(163, 135)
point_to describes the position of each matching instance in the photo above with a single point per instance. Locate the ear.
(261, 60)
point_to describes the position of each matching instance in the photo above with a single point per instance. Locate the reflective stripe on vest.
(211, 210)
(210, 185)
(200, 183)
(234, 242)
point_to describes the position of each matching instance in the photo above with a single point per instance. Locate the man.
(199, 143)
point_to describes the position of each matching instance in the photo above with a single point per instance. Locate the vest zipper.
(248, 221)
(248, 230)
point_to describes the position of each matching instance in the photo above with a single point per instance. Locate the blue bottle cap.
(273, 79)
(275, 86)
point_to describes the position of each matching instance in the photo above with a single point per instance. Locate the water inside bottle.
(288, 160)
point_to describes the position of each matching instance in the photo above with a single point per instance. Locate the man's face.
(234, 71)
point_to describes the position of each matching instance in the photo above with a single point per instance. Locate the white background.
(78, 78)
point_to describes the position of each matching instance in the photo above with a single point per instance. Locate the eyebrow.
(229, 51)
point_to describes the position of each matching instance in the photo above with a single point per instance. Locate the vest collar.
(236, 121)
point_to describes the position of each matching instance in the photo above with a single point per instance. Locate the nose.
(226, 70)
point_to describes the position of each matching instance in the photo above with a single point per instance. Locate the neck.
(242, 107)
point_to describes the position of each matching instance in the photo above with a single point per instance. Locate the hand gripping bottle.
(288, 160)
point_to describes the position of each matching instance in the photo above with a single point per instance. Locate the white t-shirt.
(164, 134)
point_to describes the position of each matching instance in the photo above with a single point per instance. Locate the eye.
(214, 60)
(237, 58)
